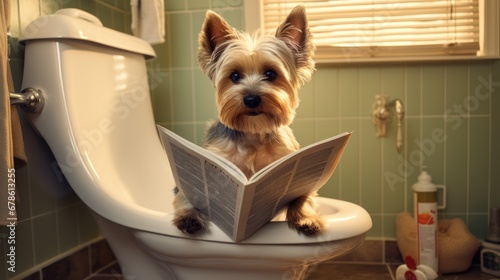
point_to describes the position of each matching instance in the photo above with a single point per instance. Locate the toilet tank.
(97, 118)
(84, 27)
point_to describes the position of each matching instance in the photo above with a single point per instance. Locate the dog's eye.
(235, 77)
(270, 75)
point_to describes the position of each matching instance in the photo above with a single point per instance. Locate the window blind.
(385, 28)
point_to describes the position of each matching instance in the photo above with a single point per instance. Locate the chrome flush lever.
(382, 114)
(30, 99)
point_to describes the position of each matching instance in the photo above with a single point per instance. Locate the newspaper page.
(212, 185)
(239, 206)
(297, 175)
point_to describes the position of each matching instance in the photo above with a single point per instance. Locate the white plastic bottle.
(425, 198)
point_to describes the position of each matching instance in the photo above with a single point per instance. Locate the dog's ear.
(295, 33)
(214, 32)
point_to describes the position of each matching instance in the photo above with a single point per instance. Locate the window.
(379, 30)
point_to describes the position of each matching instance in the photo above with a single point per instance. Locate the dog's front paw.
(189, 225)
(191, 222)
(302, 216)
(309, 227)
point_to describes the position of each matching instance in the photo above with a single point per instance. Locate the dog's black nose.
(251, 101)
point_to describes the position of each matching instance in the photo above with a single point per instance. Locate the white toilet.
(98, 121)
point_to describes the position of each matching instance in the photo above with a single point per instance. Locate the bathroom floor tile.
(333, 271)
(113, 268)
(76, 266)
(110, 272)
(474, 273)
(101, 255)
(105, 277)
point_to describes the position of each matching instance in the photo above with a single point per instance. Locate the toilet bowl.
(98, 122)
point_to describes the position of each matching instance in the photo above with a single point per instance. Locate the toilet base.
(186, 272)
(150, 256)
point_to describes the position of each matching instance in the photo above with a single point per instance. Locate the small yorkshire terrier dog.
(256, 80)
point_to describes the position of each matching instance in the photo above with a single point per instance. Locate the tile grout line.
(490, 84)
(100, 272)
(388, 266)
(445, 127)
(360, 150)
(467, 182)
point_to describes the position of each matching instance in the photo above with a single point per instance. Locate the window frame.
(489, 37)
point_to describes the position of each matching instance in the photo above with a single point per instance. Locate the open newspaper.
(240, 206)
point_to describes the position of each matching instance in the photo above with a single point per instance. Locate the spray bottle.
(426, 215)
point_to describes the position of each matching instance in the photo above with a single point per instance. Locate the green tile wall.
(457, 99)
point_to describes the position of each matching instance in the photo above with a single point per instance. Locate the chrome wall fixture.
(30, 99)
(382, 114)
